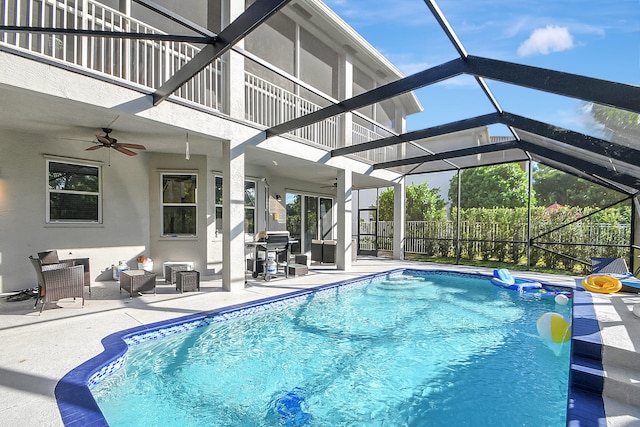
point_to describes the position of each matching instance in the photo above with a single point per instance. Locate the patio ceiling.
(613, 161)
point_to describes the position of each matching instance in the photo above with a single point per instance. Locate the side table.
(187, 281)
(137, 281)
(170, 268)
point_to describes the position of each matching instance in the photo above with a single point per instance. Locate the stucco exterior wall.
(163, 249)
(123, 234)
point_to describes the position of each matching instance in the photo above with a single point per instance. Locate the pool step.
(621, 414)
(587, 374)
(622, 384)
(621, 357)
(619, 380)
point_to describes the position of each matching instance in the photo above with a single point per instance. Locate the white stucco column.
(233, 260)
(345, 92)
(233, 102)
(344, 194)
(399, 212)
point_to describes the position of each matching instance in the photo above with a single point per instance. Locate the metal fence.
(507, 242)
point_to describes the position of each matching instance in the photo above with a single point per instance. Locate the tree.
(491, 186)
(554, 186)
(421, 204)
(621, 126)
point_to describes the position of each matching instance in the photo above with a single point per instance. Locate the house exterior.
(210, 178)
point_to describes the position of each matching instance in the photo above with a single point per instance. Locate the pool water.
(414, 350)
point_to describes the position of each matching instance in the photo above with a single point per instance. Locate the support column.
(344, 194)
(234, 73)
(399, 223)
(635, 234)
(125, 7)
(458, 218)
(233, 264)
(346, 92)
(529, 190)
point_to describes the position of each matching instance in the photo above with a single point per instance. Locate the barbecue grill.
(273, 244)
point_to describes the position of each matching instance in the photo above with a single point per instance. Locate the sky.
(595, 38)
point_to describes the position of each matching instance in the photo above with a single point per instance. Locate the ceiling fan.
(110, 142)
(334, 185)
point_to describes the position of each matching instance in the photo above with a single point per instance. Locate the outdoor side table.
(170, 268)
(187, 281)
(137, 282)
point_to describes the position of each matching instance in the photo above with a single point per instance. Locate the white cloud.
(546, 40)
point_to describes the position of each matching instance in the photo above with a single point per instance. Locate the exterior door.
(367, 232)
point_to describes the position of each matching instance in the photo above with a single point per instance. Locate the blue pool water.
(415, 350)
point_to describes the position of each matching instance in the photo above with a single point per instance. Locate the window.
(218, 198)
(249, 205)
(73, 192)
(179, 204)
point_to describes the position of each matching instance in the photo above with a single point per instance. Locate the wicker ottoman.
(170, 268)
(297, 270)
(137, 281)
(187, 281)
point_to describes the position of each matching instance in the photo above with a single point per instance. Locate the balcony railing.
(269, 105)
(145, 63)
(148, 64)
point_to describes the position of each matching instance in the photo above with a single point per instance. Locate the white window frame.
(246, 207)
(50, 191)
(163, 204)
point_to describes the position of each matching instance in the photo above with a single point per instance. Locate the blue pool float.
(502, 277)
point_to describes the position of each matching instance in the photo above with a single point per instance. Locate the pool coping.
(78, 407)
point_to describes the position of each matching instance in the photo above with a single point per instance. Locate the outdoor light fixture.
(187, 155)
(278, 198)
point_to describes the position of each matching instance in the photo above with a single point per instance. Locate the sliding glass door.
(308, 218)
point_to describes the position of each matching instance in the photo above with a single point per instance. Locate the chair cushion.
(49, 257)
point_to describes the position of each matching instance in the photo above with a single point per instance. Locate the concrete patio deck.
(39, 350)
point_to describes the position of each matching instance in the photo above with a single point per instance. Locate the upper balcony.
(146, 64)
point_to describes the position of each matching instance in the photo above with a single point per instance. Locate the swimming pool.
(405, 351)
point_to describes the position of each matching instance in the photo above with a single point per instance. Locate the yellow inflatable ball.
(553, 327)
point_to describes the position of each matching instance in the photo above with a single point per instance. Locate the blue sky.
(596, 38)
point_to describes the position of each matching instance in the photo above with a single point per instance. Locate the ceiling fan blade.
(75, 139)
(135, 146)
(95, 147)
(124, 150)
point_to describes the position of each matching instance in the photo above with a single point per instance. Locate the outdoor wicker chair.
(58, 281)
(51, 257)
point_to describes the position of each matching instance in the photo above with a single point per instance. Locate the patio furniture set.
(323, 251)
(66, 278)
